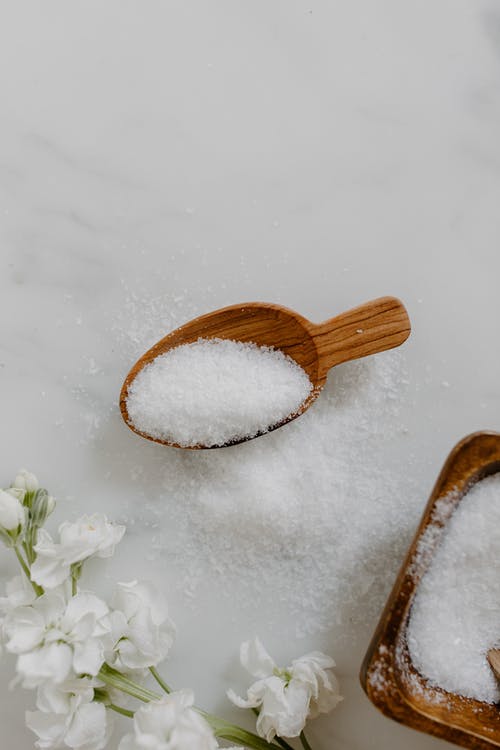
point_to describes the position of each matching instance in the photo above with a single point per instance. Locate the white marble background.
(312, 153)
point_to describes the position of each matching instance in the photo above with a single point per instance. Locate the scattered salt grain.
(455, 617)
(308, 523)
(216, 391)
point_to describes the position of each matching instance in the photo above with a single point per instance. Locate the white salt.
(307, 524)
(216, 391)
(455, 618)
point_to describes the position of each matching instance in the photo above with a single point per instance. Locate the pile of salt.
(455, 617)
(214, 391)
(303, 527)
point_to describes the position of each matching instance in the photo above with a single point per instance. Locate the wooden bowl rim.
(473, 458)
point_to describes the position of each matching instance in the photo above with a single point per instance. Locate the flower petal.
(52, 662)
(49, 728)
(241, 702)
(89, 729)
(49, 570)
(24, 627)
(88, 657)
(255, 659)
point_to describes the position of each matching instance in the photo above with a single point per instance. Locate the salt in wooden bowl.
(388, 676)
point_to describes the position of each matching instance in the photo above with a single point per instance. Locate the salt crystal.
(216, 391)
(455, 617)
(93, 367)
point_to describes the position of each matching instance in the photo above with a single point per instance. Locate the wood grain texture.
(370, 328)
(494, 660)
(388, 676)
(374, 327)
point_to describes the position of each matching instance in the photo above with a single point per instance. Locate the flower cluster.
(63, 636)
(286, 698)
(170, 723)
(81, 652)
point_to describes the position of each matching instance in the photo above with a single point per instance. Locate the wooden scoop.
(370, 328)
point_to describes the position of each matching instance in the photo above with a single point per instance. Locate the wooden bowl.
(388, 676)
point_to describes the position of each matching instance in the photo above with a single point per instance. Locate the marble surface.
(166, 158)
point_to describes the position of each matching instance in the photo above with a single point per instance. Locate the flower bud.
(25, 480)
(12, 513)
(42, 506)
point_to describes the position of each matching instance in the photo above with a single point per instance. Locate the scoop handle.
(373, 327)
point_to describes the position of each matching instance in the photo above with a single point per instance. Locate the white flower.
(314, 670)
(71, 720)
(286, 698)
(18, 593)
(57, 699)
(12, 513)
(142, 629)
(170, 724)
(90, 536)
(25, 480)
(56, 640)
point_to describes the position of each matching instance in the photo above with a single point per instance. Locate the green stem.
(232, 733)
(221, 728)
(76, 572)
(283, 743)
(305, 743)
(26, 548)
(116, 679)
(22, 563)
(120, 710)
(161, 682)
(37, 589)
(32, 542)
